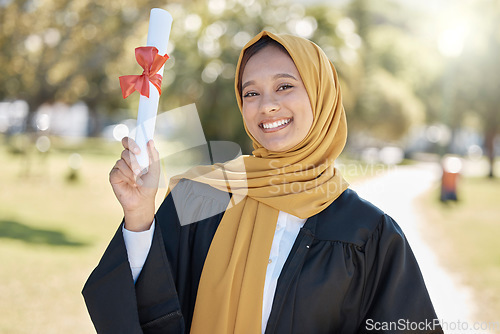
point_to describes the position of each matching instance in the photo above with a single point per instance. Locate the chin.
(277, 147)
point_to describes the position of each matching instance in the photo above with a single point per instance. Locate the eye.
(250, 94)
(285, 87)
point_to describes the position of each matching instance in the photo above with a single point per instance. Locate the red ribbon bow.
(151, 62)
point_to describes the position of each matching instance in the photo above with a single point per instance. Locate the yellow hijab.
(301, 181)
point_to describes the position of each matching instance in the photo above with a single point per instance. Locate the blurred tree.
(480, 73)
(471, 79)
(208, 37)
(374, 89)
(70, 51)
(395, 67)
(64, 50)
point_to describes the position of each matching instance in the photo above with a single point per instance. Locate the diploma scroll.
(160, 23)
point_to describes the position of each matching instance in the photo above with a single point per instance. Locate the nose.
(269, 103)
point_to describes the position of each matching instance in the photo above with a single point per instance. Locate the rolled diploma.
(160, 22)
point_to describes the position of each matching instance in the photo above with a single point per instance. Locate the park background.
(420, 82)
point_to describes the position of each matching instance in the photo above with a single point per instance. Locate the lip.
(261, 124)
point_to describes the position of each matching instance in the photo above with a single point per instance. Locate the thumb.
(151, 178)
(154, 162)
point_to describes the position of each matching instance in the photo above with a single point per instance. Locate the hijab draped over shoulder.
(301, 181)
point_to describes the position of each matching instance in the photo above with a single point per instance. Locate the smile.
(275, 125)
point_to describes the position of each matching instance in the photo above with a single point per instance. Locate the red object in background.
(449, 180)
(449, 186)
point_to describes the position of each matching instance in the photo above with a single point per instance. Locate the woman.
(293, 250)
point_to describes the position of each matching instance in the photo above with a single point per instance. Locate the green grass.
(52, 234)
(467, 236)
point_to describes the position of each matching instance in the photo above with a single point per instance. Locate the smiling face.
(276, 107)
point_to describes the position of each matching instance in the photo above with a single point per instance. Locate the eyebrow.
(276, 76)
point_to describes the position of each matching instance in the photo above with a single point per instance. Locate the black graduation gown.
(350, 270)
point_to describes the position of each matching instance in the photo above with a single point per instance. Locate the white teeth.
(275, 124)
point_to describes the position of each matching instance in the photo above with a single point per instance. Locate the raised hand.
(136, 189)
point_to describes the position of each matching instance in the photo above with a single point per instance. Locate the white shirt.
(287, 229)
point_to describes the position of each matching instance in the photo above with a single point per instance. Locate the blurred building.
(439, 139)
(57, 119)
(13, 116)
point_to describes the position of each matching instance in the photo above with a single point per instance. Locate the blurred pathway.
(395, 192)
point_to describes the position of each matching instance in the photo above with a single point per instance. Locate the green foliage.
(385, 53)
(208, 41)
(390, 73)
(397, 107)
(56, 50)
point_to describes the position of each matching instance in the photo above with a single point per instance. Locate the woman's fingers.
(121, 172)
(131, 168)
(116, 176)
(154, 158)
(125, 170)
(130, 144)
(131, 161)
(151, 178)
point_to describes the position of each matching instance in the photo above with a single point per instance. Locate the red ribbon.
(151, 62)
